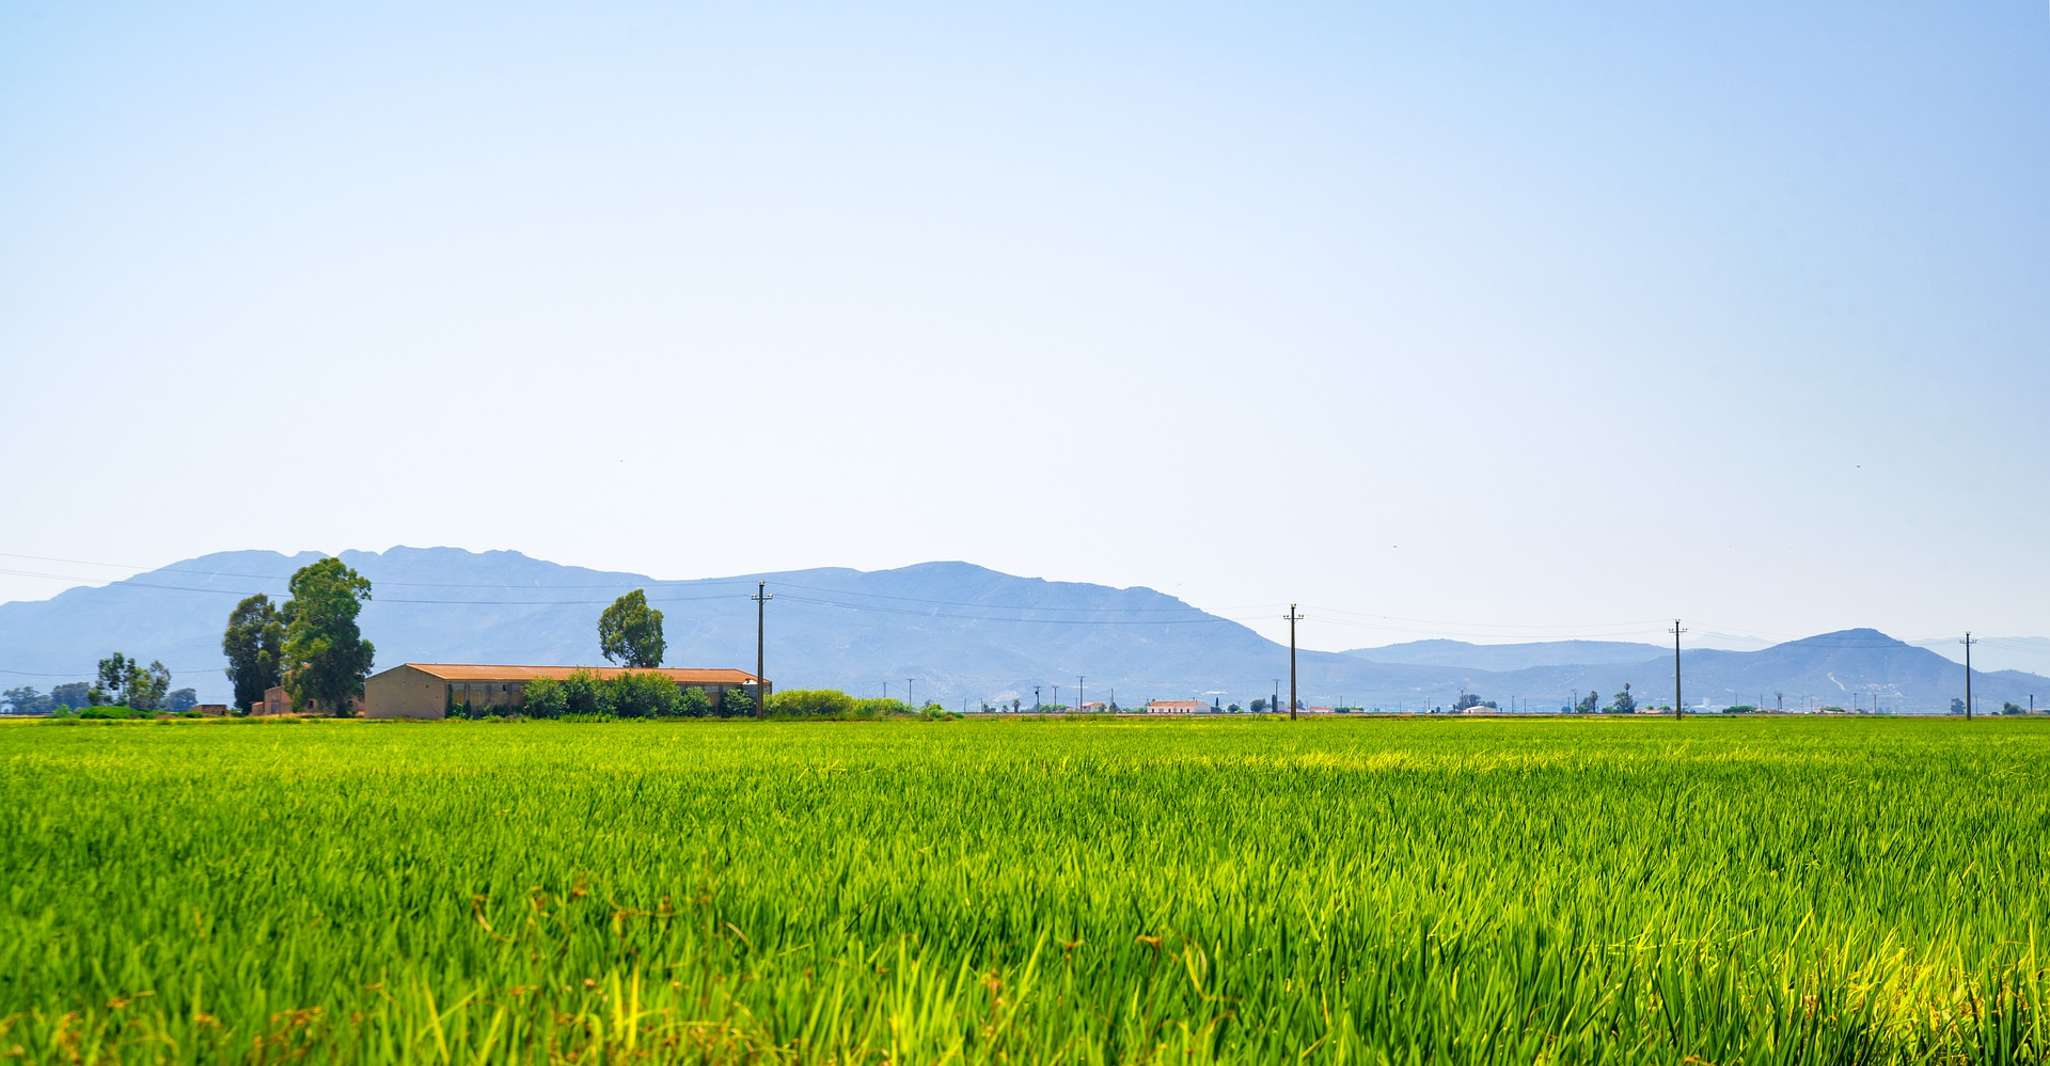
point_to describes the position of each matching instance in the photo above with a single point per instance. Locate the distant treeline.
(80, 695)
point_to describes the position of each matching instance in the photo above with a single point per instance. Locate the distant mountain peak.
(1861, 637)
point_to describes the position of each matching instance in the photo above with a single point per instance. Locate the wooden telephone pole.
(1294, 616)
(761, 598)
(1968, 642)
(1676, 666)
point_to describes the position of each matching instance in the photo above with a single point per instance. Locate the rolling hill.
(956, 631)
(1499, 657)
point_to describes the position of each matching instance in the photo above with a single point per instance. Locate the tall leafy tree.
(26, 700)
(630, 632)
(147, 687)
(324, 653)
(73, 694)
(110, 685)
(183, 699)
(254, 644)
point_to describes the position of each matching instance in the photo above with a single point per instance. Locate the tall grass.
(1382, 891)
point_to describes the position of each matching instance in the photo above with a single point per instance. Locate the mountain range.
(953, 631)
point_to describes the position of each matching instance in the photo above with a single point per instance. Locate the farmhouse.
(1176, 707)
(278, 701)
(427, 690)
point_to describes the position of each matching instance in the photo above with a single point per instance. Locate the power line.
(134, 584)
(1184, 609)
(1630, 623)
(1208, 620)
(633, 583)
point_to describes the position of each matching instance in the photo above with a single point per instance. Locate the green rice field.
(1548, 891)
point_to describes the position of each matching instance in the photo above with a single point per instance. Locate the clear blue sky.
(1533, 322)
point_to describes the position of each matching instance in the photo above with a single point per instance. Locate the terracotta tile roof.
(480, 672)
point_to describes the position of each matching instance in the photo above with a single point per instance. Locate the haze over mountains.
(955, 630)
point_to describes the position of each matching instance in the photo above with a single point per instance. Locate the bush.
(736, 702)
(694, 703)
(811, 703)
(636, 695)
(878, 707)
(114, 713)
(584, 694)
(545, 698)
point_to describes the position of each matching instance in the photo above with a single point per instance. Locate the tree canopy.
(325, 657)
(630, 632)
(254, 644)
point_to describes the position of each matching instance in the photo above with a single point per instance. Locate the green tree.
(146, 688)
(2011, 707)
(1957, 706)
(325, 655)
(254, 644)
(695, 703)
(183, 699)
(110, 685)
(736, 702)
(1625, 702)
(73, 694)
(630, 632)
(1589, 703)
(26, 700)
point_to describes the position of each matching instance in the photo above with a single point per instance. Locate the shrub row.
(630, 695)
(832, 703)
(636, 695)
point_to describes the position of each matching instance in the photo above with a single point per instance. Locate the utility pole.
(1294, 616)
(907, 695)
(1676, 667)
(1035, 699)
(1078, 693)
(761, 598)
(1271, 709)
(1968, 642)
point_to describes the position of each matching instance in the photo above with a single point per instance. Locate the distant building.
(1176, 707)
(211, 710)
(278, 701)
(1095, 707)
(428, 690)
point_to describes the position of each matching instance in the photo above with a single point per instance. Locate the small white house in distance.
(1176, 707)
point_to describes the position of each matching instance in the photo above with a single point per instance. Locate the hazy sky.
(1526, 321)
